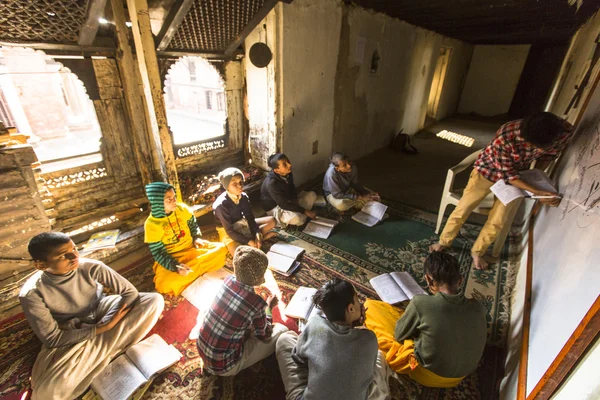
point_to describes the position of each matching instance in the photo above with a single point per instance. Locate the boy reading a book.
(516, 145)
(439, 339)
(237, 331)
(278, 194)
(333, 358)
(172, 233)
(80, 328)
(341, 187)
(236, 224)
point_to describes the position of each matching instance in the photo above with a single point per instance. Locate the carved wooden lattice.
(211, 25)
(71, 179)
(42, 20)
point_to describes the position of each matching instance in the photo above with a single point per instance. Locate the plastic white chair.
(450, 195)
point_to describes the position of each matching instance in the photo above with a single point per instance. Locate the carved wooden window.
(49, 103)
(197, 126)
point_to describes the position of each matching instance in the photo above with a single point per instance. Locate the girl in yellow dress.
(180, 254)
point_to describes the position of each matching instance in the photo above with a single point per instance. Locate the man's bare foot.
(479, 262)
(269, 235)
(437, 247)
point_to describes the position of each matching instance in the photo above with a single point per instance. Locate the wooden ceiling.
(491, 21)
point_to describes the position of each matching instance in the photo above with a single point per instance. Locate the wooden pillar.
(147, 157)
(148, 66)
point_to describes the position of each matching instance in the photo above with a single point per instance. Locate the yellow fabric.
(224, 237)
(381, 318)
(477, 189)
(167, 229)
(200, 261)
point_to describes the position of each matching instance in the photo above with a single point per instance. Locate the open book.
(320, 201)
(507, 193)
(320, 227)
(396, 287)
(301, 304)
(283, 258)
(101, 240)
(120, 379)
(371, 213)
(203, 290)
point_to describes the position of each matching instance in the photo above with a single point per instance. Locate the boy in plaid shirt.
(237, 331)
(516, 145)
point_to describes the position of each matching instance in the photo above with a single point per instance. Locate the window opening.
(191, 113)
(45, 100)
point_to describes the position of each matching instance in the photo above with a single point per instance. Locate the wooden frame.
(175, 17)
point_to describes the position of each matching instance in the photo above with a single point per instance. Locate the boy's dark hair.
(542, 129)
(41, 245)
(337, 158)
(333, 298)
(274, 160)
(443, 268)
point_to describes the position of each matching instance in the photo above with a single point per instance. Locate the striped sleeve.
(161, 256)
(194, 228)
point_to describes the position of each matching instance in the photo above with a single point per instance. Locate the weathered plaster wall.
(492, 79)
(262, 93)
(321, 83)
(309, 44)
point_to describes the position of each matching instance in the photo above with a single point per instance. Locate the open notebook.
(396, 287)
(371, 214)
(320, 227)
(124, 375)
(302, 307)
(284, 258)
(507, 193)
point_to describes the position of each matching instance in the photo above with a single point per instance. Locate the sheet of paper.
(407, 283)
(202, 292)
(375, 209)
(317, 230)
(325, 221)
(287, 250)
(118, 380)
(387, 288)
(506, 193)
(365, 219)
(280, 262)
(301, 303)
(153, 355)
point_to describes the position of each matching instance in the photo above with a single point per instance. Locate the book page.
(301, 303)
(506, 193)
(101, 240)
(320, 201)
(118, 380)
(202, 292)
(325, 221)
(387, 288)
(365, 219)
(280, 262)
(317, 230)
(152, 355)
(288, 250)
(375, 209)
(408, 284)
(537, 179)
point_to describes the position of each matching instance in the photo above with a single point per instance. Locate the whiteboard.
(566, 275)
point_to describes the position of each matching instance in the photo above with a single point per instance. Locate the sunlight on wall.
(456, 138)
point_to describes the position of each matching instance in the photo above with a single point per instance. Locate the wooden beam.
(150, 74)
(65, 49)
(178, 12)
(183, 53)
(90, 27)
(133, 98)
(583, 336)
(259, 16)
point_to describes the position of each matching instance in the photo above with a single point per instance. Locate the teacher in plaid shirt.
(516, 145)
(237, 331)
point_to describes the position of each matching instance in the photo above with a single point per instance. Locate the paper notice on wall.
(359, 51)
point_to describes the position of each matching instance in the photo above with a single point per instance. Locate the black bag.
(402, 143)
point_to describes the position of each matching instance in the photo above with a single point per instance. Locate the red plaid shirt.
(508, 153)
(236, 312)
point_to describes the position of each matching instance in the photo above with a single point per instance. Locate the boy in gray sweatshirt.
(333, 358)
(80, 328)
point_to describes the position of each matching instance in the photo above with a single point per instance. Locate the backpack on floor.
(401, 143)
